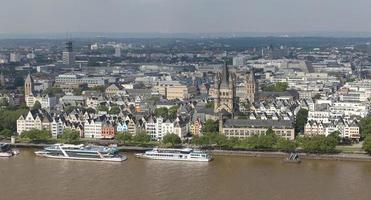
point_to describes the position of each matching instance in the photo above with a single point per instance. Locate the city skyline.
(166, 17)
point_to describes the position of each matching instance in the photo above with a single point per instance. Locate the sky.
(184, 16)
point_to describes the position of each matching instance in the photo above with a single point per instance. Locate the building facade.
(224, 91)
(241, 129)
(250, 87)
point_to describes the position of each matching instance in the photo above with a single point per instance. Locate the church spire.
(28, 85)
(225, 76)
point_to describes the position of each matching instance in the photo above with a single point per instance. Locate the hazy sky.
(184, 16)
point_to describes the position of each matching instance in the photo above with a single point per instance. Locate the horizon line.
(60, 35)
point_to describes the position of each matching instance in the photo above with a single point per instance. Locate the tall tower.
(28, 86)
(250, 87)
(68, 54)
(224, 91)
(117, 51)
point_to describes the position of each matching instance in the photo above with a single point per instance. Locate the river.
(227, 177)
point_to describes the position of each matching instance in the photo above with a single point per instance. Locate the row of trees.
(69, 136)
(266, 142)
(169, 140)
(140, 138)
(269, 141)
(36, 135)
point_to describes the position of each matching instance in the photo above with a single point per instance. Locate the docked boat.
(7, 151)
(186, 154)
(292, 158)
(82, 152)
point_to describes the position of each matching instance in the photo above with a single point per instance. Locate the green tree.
(365, 127)
(196, 140)
(171, 139)
(266, 142)
(69, 109)
(36, 135)
(278, 87)
(319, 144)
(210, 126)
(90, 110)
(4, 102)
(161, 112)
(250, 142)
(123, 137)
(142, 138)
(6, 133)
(223, 142)
(114, 110)
(301, 120)
(336, 135)
(367, 144)
(286, 145)
(172, 113)
(102, 108)
(207, 139)
(9, 116)
(70, 136)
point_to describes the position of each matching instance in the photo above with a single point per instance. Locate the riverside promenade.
(338, 156)
(349, 156)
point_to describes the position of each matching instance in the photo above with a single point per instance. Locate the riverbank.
(268, 154)
(339, 156)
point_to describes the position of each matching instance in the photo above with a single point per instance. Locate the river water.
(227, 177)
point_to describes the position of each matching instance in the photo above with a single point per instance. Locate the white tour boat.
(82, 152)
(186, 154)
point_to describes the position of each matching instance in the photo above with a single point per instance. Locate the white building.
(349, 109)
(46, 101)
(93, 129)
(159, 122)
(239, 60)
(319, 116)
(33, 120)
(150, 127)
(15, 57)
(56, 127)
(117, 51)
(68, 55)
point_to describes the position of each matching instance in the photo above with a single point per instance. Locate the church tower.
(250, 87)
(28, 86)
(224, 91)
